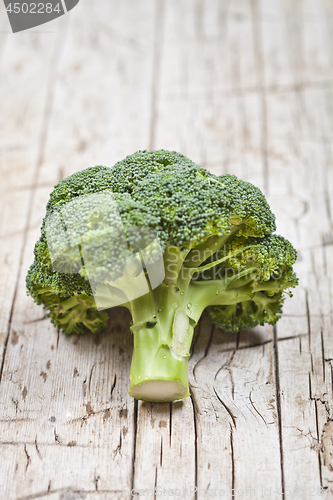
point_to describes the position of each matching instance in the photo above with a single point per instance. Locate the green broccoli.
(213, 234)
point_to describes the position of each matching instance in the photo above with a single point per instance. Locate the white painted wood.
(240, 87)
(21, 120)
(67, 395)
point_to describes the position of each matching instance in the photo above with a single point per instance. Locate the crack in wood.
(232, 416)
(32, 443)
(113, 387)
(196, 424)
(118, 449)
(96, 479)
(196, 336)
(256, 410)
(226, 367)
(170, 425)
(69, 492)
(27, 457)
(318, 441)
(161, 452)
(308, 317)
(205, 352)
(90, 377)
(56, 437)
(135, 433)
(37, 449)
(89, 415)
(232, 462)
(278, 406)
(155, 483)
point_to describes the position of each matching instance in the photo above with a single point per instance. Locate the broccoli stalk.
(162, 334)
(215, 234)
(164, 319)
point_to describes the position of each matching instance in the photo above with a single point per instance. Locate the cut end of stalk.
(159, 391)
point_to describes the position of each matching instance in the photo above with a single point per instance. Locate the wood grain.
(243, 87)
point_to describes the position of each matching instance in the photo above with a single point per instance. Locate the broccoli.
(212, 234)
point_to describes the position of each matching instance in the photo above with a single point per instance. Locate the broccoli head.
(166, 239)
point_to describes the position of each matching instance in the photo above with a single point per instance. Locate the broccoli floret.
(106, 228)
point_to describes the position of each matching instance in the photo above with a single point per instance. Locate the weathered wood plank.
(234, 393)
(21, 121)
(240, 87)
(68, 397)
(298, 194)
(301, 465)
(165, 445)
(208, 59)
(103, 89)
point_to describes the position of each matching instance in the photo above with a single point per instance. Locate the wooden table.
(242, 87)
